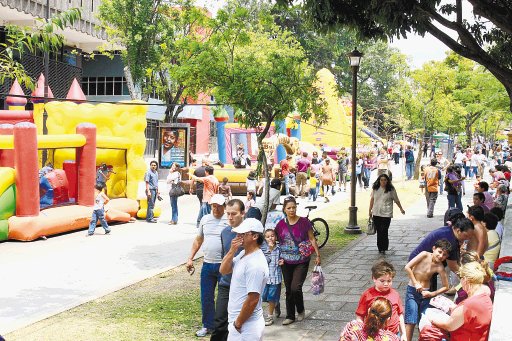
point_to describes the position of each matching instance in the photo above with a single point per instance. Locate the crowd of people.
(248, 264)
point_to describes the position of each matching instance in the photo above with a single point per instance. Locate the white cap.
(218, 199)
(249, 225)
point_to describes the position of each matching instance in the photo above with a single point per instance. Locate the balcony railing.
(37, 8)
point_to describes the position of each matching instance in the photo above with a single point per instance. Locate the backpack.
(409, 156)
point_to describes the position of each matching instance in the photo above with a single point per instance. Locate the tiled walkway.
(348, 274)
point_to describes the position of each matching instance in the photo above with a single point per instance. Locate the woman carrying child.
(292, 231)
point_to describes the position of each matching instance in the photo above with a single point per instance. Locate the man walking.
(235, 209)
(303, 165)
(210, 187)
(209, 232)
(151, 179)
(409, 162)
(250, 274)
(431, 177)
(200, 173)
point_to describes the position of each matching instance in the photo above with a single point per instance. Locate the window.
(104, 86)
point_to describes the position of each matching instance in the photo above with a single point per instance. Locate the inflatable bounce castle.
(37, 200)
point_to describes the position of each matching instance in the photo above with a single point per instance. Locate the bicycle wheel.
(321, 231)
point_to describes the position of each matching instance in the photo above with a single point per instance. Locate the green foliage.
(482, 33)
(160, 39)
(43, 37)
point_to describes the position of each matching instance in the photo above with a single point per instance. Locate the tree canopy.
(479, 30)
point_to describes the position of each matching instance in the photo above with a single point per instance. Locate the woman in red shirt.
(471, 319)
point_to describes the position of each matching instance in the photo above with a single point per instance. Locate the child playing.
(382, 276)
(225, 189)
(100, 199)
(272, 291)
(251, 200)
(251, 183)
(420, 270)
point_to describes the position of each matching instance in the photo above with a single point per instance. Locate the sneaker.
(151, 221)
(326, 199)
(287, 322)
(108, 231)
(203, 332)
(300, 316)
(89, 234)
(269, 320)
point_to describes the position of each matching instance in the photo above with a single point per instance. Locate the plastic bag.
(371, 227)
(317, 281)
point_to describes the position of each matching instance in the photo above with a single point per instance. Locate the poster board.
(174, 144)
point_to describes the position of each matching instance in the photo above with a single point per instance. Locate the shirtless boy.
(478, 241)
(420, 270)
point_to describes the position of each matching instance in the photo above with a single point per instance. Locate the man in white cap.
(208, 236)
(250, 274)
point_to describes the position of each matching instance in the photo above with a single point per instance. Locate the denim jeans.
(415, 305)
(455, 200)
(98, 215)
(199, 195)
(204, 209)
(312, 194)
(441, 184)
(367, 174)
(151, 204)
(210, 276)
(409, 170)
(174, 208)
(287, 184)
(467, 172)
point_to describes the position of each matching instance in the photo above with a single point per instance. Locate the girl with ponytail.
(373, 327)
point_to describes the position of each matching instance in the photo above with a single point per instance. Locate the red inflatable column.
(26, 163)
(86, 164)
(6, 155)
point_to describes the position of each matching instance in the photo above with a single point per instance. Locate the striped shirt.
(274, 270)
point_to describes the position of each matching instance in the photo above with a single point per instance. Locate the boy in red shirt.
(382, 275)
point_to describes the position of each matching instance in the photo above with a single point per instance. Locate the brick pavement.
(348, 274)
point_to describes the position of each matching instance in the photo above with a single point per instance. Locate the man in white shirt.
(250, 274)
(208, 236)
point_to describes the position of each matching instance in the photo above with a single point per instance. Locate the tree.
(160, 37)
(41, 38)
(484, 36)
(261, 69)
(380, 68)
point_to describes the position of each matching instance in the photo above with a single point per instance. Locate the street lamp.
(352, 228)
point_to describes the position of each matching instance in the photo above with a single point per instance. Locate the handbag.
(176, 189)
(317, 281)
(371, 227)
(305, 247)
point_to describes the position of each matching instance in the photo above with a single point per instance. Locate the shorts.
(415, 305)
(272, 293)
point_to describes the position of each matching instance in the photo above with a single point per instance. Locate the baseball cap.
(249, 225)
(218, 199)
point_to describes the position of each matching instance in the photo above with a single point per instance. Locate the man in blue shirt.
(461, 229)
(235, 210)
(151, 179)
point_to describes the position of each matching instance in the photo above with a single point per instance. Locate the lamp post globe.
(352, 228)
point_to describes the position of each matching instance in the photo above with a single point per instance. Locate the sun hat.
(218, 199)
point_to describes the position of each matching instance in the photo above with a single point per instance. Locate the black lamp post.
(46, 59)
(352, 228)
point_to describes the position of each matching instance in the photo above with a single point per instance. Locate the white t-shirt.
(250, 274)
(99, 201)
(273, 198)
(210, 228)
(459, 158)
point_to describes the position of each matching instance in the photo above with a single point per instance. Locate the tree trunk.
(418, 159)
(135, 94)
(469, 135)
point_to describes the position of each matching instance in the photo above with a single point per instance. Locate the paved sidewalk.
(348, 274)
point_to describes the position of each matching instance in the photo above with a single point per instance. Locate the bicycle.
(320, 228)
